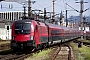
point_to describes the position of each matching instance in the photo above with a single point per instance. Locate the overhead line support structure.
(29, 9)
(53, 17)
(66, 16)
(66, 19)
(81, 16)
(81, 12)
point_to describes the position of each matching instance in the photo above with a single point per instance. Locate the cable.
(47, 3)
(40, 5)
(43, 6)
(49, 6)
(68, 1)
(57, 1)
(60, 5)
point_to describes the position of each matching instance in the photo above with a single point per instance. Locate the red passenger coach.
(87, 33)
(55, 33)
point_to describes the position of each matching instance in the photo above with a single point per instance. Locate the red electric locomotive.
(31, 34)
(28, 34)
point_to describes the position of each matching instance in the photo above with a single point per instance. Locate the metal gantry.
(81, 15)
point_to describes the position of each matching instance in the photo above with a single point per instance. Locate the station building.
(11, 15)
(6, 19)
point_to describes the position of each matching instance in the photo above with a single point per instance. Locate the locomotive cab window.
(22, 28)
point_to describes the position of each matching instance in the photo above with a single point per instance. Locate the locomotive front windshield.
(22, 28)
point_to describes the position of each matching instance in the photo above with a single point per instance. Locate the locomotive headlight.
(31, 38)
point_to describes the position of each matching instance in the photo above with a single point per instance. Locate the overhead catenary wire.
(42, 6)
(59, 5)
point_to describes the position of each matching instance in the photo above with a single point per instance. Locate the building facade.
(11, 15)
(5, 18)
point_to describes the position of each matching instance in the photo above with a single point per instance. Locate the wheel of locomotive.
(17, 50)
(45, 45)
(61, 42)
(38, 47)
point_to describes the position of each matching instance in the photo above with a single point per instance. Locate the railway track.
(4, 40)
(5, 46)
(14, 56)
(63, 53)
(84, 43)
(11, 55)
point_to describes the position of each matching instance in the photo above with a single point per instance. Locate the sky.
(59, 6)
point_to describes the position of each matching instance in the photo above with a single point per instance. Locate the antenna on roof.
(10, 6)
(1, 6)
